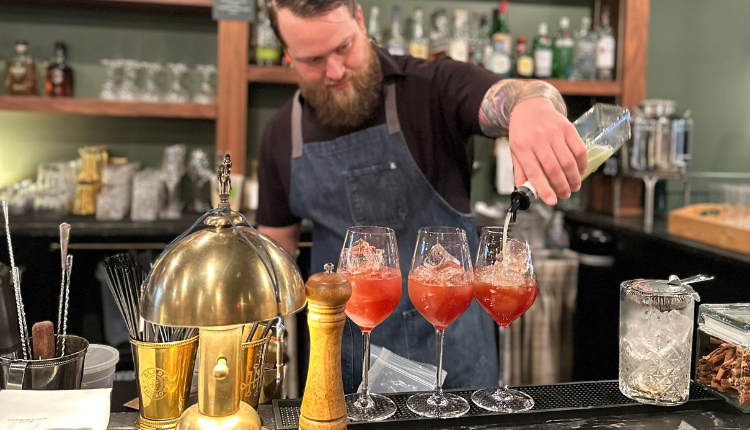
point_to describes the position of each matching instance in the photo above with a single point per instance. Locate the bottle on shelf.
(480, 45)
(373, 28)
(499, 61)
(523, 62)
(562, 56)
(584, 57)
(59, 76)
(268, 49)
(459, 45)
(605, 49)
(396, 44)
(439, 37)
(20, 72)
(542, 53)
(419, 46)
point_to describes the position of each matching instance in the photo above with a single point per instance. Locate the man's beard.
(353, 105)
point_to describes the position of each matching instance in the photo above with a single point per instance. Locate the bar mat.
(576, 396)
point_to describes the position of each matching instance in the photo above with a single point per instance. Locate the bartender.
(376, 139)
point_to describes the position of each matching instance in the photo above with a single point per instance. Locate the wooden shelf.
(186, 3)
(283, 75)
(97, 107)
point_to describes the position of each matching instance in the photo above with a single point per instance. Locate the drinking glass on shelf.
(369, 260)
(441, 289)
(173, 168)
(206, 94)
(176, 93)
(128, 90)
(505, 287)
(150, 92)
(109, 89)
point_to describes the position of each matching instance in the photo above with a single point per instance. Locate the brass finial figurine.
(225, 182)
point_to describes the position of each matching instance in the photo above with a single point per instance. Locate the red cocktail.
(504, 303)
(375, 294)
(440, 304)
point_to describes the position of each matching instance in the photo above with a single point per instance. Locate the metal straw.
(23, 329)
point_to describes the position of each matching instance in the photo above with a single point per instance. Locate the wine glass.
(369, 260)
(206, 93)
(176, 93)
(505, 287)
(173, 169)
(109, 88)
(441, 289)
(150, 91)
(128, 90)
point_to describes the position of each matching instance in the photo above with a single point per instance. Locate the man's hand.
(546, 149)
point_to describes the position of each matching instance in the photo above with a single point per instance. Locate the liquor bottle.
(459, 46)
(419, 46)
(605, 49)
(20, 72)
(373, 28)
(542, 53)
(58, 76)
(562, 56)
(439, 37)
(584, 58)
(268, 50)
(523, 62)
(499, 61)
(480, 45)
(396, 44)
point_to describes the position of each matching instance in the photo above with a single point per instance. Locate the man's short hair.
(306, 9)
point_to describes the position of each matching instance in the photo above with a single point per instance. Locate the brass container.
(164, 374)
(85, 200)
(252, 357)
(93, 158)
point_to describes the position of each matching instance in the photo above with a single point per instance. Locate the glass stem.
(501, 338)
(364, 396)
(439, 382)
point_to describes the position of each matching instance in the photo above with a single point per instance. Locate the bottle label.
(272, 55)
(525, 66)
(419, 50)
(499, 63)
(17, 71)
(502, 42)
(543, 62)
(57, 76)
(397, 49)
(459, 51)
(605, 53)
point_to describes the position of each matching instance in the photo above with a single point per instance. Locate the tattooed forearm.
(501, 98)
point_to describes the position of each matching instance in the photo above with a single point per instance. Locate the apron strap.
(296, 126)
(391, 118)
(391, 113)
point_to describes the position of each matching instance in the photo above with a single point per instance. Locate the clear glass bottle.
(373, 28)
(59, 76)
(562, 57)
(396, 44)
(480, 43)
(523, 62)
(20, 72)
(419, 46)
(439, 37)
(542, 53)
(605, 49)
(268, 49)
(584, 57)
(459, 46)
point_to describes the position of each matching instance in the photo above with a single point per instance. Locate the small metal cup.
(164, 373)
(59, 373)
(252, 356)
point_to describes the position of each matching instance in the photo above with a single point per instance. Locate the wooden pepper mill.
(323, 405)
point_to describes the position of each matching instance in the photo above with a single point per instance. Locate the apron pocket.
(377, 195)
(419, 335)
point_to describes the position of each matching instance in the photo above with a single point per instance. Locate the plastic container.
(99, 367)
(723, 352)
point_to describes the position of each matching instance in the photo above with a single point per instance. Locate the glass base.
(376, 408)
(498, 399)
(432, 405)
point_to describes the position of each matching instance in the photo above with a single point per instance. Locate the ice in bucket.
(603, 129)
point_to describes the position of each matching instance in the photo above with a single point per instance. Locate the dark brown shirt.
(438, 106)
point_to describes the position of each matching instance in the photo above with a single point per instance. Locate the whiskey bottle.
(419, 46)
(59, 76)
(20, 72)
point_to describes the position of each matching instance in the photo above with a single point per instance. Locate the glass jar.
(656, 333)
(723, 352)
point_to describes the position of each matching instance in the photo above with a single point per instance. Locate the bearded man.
(381, 140)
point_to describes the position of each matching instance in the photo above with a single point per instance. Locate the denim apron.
(369, 177)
